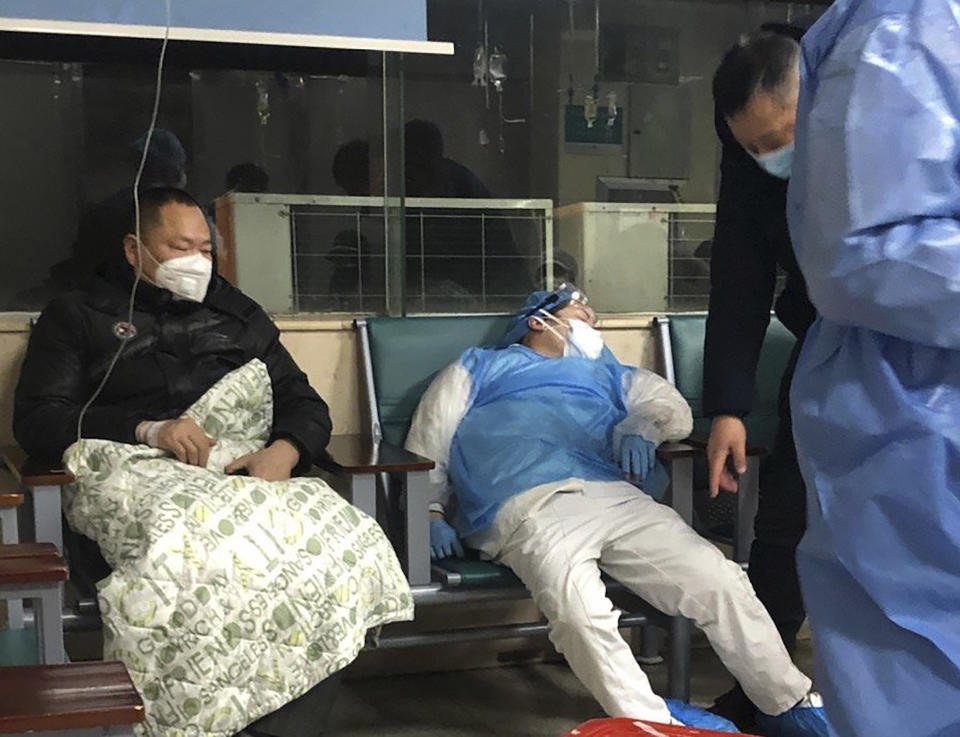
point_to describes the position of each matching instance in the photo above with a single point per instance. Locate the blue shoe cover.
(694, 716)
(800, 721)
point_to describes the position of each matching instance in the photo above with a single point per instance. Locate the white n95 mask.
(583, 341)
(186, 276)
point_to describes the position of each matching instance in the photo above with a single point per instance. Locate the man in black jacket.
(755, 93)
(183, 344)
(190, 329)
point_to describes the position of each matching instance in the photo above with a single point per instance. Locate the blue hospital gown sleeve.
(875, 194)
(435, 422)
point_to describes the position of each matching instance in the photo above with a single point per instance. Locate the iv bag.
(497, 68)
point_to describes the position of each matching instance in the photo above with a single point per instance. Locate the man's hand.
(638, 456)
(274, 463)
(186, 440)
(728, 437)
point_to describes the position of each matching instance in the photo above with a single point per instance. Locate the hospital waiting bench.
(680, 340)
(399, 358)
(71, 700)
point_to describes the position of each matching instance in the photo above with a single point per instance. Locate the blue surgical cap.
(538, 300)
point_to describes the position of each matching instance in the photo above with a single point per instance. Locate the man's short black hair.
(763, 61)
(153, 200)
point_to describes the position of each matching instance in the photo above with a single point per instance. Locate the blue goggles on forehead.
(562, 295)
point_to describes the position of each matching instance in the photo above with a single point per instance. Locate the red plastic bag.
(623, 727)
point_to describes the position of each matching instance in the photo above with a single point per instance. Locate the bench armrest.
(354, 454)
(671, 451)
(34, 471)
(361, 459)
(10, 495)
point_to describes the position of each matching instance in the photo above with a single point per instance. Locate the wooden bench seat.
(10, 494)
(18, 565)
(29, 550)
(71, 697)
(10, 499)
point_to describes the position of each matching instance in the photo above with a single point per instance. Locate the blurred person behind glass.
(105, 222)
(456, 283)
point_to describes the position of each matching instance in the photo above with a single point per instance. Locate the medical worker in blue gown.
(875, 216)
(532, 442)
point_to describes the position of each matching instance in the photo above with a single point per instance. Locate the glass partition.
(369, 182)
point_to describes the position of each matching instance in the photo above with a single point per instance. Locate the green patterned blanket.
(230, 596)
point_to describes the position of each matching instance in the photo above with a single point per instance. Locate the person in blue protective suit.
(874, 210)
(532, 442)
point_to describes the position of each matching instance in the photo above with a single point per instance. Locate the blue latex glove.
(444, 541)
(637, 456)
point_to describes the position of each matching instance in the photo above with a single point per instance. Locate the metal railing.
(689, 240)
(462, 255)
(690, 246)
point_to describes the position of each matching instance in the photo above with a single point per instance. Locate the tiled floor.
(543, 700)
(539, 700)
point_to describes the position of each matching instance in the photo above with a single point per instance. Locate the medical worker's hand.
(186, 440)
(444, 541)
(728, 439)
(637, 456)
(274, 463)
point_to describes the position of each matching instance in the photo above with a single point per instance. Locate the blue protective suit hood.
(873, 209)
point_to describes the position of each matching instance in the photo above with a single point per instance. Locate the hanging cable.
(126, 330)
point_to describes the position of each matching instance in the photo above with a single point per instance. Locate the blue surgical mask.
(778, 162)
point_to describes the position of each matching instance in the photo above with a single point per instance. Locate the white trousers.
(558, 551)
